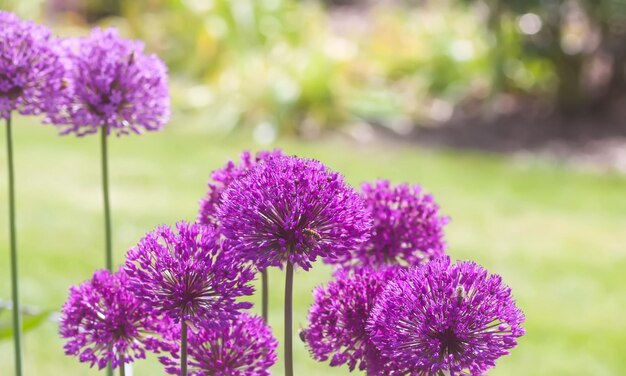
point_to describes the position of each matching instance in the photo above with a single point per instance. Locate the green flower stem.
(17, 325)
(122, 365)
(183, 348)
(107, 209)
(288, 320)
(105, 193)
(265, 296)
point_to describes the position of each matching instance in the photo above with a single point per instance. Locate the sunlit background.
(511, 112)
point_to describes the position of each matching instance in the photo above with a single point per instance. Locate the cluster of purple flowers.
(426, 320)
(81, 84)
(172, 276)
(396, 304)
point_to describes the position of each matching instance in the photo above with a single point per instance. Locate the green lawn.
(557, 236)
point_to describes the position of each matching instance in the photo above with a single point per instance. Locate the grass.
(556, 235)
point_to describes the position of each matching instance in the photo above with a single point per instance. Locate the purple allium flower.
(246, 347)
(291, 209)
(221, 178)
(445, 317)
(103, 320)
(407, 227)
(113, 84)
(31, 73)
(338, 317)
(188, 274)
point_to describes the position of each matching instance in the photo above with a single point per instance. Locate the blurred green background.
(363, 86)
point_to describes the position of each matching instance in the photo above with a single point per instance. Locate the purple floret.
(189, 274)
(291, 209)
(112, 84)
(31, 72)
(445, 318)
(407, 227)
(103, 321)
(244, 347)
(338, 317)
(221, 178)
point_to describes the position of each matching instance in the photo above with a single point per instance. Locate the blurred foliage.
(30, 321)
(304, 66)
(247, 62)
(582, 43)
(288, 66)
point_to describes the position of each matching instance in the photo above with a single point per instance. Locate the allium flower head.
(188, 274)
(113, 84)
(245, 347)
(338, 317)
(31, 73)
(221, 178)
(407, 227)
(291, 209)
(102, 320)
(445, 317)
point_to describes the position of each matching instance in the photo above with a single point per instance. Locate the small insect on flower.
(460, 294)
(302, 335)
(312, 233)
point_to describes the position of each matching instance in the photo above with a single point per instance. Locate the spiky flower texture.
(245, 347)
(222, 177)
(31, 72)
(292, 209)
(188, 274)
(113, 84)
(445, 318)
(407, 227)
(104, 323)
(338, 317)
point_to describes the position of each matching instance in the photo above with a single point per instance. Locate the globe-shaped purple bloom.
(407, 227)
(445, 317)
(113, 84)
(291, 209)
(338, 317)
(31, 72)
(245, 347)
(103, 321)
(189, 275)
(221, 178)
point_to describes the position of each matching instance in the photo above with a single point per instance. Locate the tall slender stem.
(122, 365)
(183, 348)
(17, 325)
(265, 296)
(288, 320)
(107, 210)
(105, 193)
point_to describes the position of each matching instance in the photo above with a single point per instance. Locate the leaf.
(29, 322)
